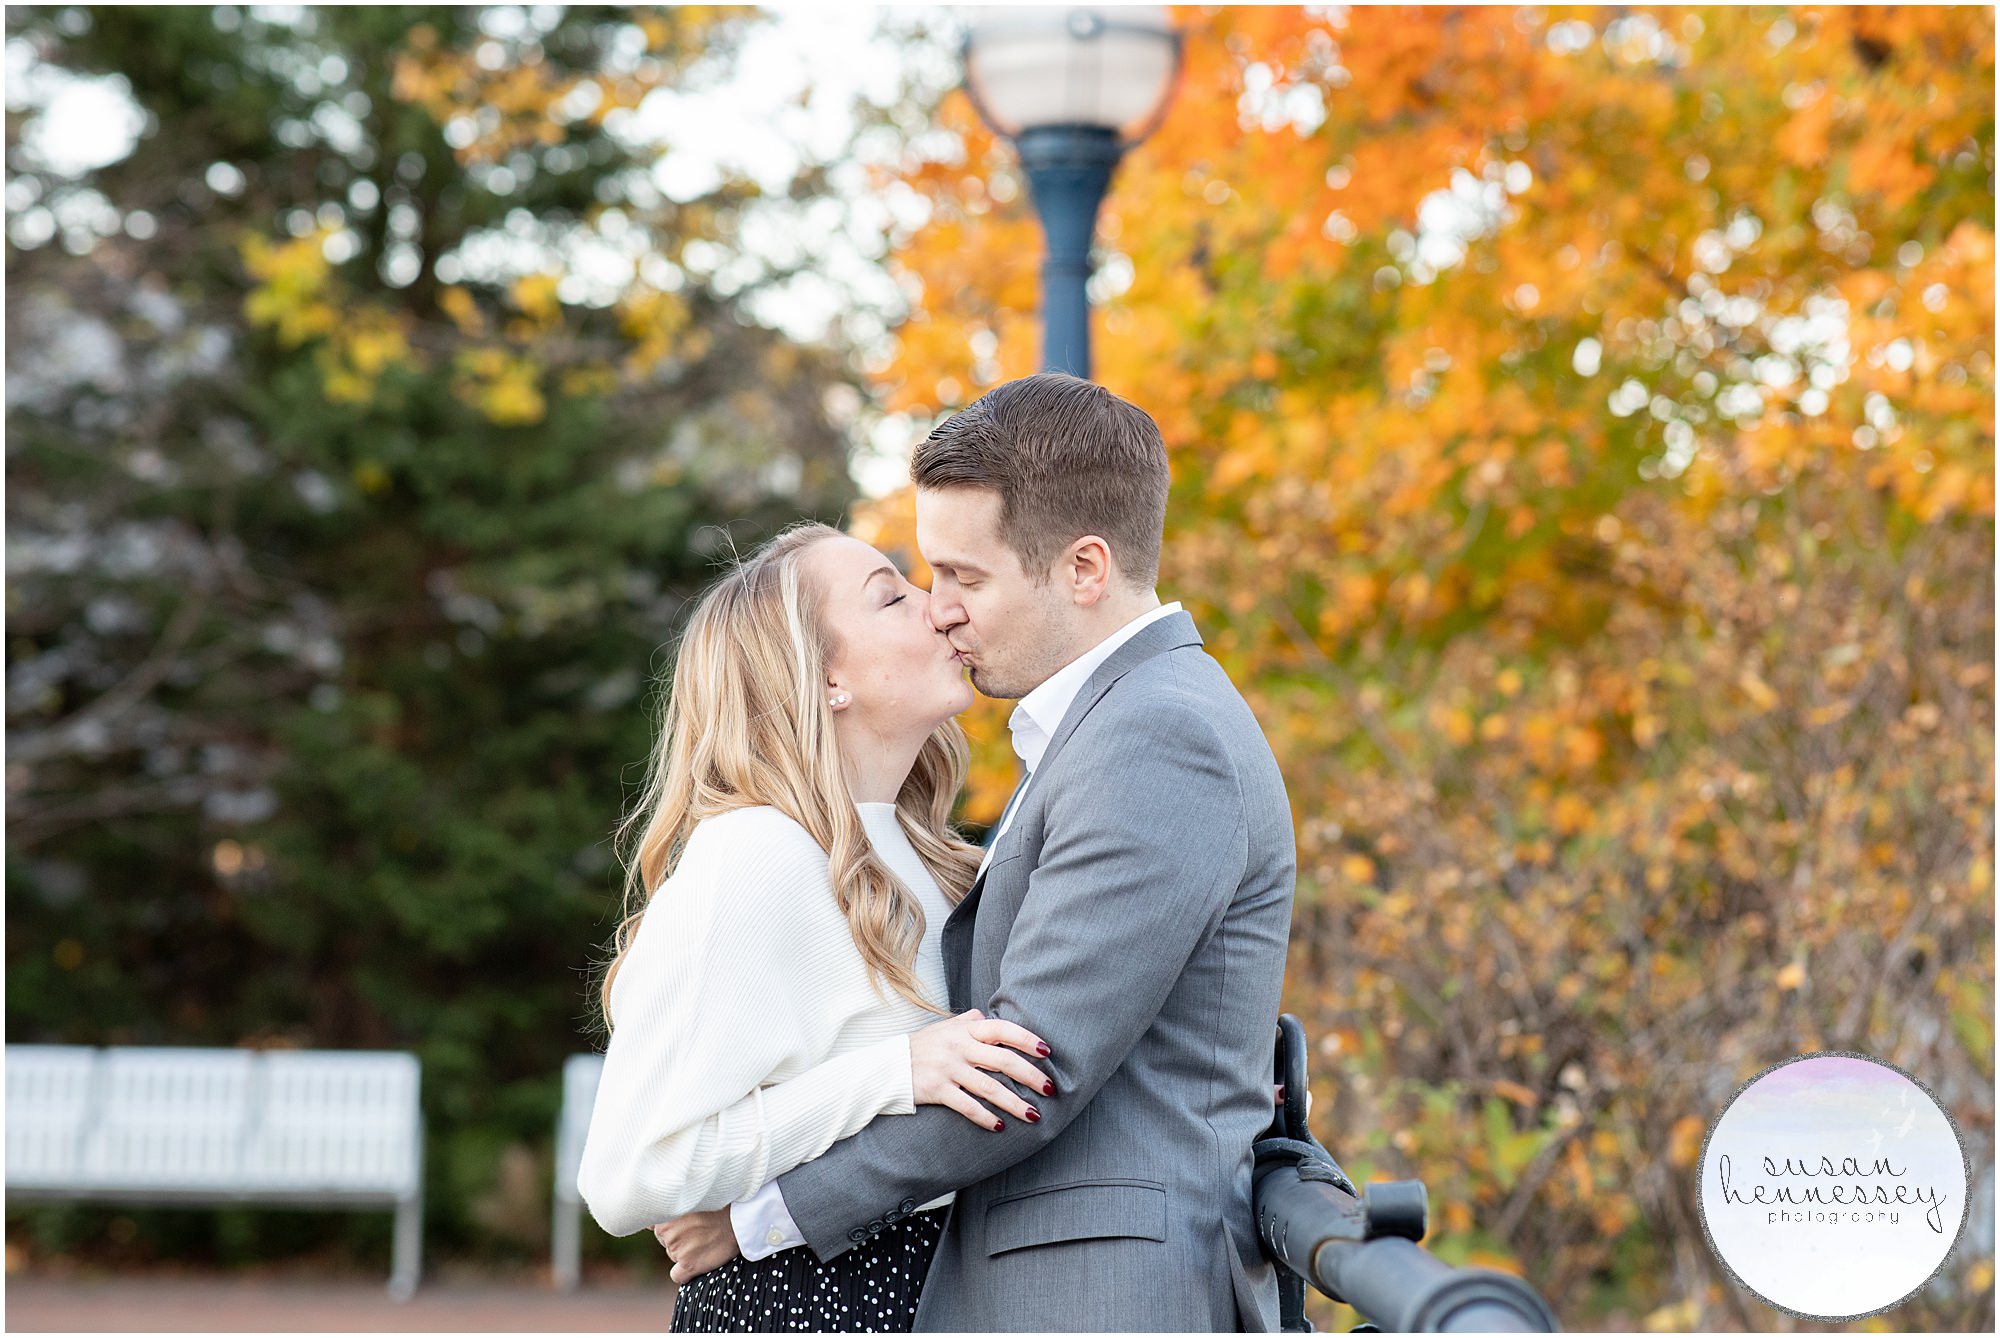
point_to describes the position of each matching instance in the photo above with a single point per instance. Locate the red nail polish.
(1034, 1116)
(1048, 1089)
(1042, 1049)
(998, 1125)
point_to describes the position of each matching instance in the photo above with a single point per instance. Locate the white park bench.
(146, 1124)
(579, 1094)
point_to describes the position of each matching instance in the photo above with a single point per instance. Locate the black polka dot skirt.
(872, 1288)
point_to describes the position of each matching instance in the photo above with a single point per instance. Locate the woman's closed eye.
(894, 602)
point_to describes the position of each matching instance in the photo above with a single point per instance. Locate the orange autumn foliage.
(1582, 434)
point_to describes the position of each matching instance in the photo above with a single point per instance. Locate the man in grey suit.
(1133, 908)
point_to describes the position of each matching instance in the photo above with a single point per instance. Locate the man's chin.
(988, 688)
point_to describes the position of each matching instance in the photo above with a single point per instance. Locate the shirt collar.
(1037, 715)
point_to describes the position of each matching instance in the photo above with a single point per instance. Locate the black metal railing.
(1360, 1246)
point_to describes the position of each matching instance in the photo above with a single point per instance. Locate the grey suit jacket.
(1135, 916)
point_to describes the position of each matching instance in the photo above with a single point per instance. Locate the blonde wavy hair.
(746, 722)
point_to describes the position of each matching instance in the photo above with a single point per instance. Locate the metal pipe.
(1334, 1241)
(1069, 168)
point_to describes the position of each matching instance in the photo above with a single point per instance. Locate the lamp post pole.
(1069, 168)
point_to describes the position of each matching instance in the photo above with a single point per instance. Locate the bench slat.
(169, 1118)
(342, 1120)
(48, 1102)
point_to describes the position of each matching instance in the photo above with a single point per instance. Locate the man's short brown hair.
(1068, 458)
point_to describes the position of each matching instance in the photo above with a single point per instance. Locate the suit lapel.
(961, 914)
(1169, 633)
(956, 942)
(963, 911)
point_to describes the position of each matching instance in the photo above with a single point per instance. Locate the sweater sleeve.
(729, 979)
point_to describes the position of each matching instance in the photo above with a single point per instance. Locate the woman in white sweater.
(777, 982)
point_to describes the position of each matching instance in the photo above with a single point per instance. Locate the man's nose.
(945, 613)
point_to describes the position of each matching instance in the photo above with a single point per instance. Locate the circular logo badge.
(1833, 1186)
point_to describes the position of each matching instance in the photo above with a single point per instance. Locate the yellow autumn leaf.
(535, 296)
(463, 310)
(371, 349)
(1684, 1141)
(1458, 727)
(1674, 1317)
(344, 387)
(1757, 690)
(512, 398)
(1572, 813)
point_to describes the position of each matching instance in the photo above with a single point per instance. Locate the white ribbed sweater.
(746, 1037)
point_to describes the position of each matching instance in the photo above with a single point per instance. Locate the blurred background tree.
(1582, 433)
(368, 423)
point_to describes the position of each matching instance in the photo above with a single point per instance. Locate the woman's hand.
(698, 1243)
(950, 1062)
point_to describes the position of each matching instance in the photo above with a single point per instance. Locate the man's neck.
(1105, 619)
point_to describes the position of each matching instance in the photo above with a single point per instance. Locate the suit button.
(858, 1235)
(908, 1205)
(875, 1227)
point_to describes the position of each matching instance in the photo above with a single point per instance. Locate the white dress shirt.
(762, 1223)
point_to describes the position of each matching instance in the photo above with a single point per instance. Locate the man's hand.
(698, 1243)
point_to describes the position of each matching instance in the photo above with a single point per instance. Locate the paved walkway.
(181, 1305)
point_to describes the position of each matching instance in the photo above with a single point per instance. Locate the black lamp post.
(1073, 89)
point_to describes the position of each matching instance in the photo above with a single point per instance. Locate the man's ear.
(1088, 570)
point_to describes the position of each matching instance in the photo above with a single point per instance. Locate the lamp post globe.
(1073, 88)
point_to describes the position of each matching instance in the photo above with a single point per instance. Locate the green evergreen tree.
(344, 545)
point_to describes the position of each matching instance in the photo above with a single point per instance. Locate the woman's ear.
(837, 696)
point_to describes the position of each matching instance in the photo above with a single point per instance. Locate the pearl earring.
(837, 699)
